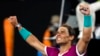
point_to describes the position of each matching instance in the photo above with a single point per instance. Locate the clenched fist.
(84, 8)
(13, 20)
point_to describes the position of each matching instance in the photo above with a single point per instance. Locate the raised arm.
(27, 35)
(87, 30)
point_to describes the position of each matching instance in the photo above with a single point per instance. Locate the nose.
(58, 34)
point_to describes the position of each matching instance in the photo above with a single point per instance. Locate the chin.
(59, 43)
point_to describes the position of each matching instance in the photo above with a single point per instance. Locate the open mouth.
(58, 38)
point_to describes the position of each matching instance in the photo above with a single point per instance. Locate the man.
(64, 38)
(93, 8)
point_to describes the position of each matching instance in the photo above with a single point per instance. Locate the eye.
(57, 32)
(62, 32)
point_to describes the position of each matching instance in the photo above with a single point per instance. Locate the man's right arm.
(28, 36)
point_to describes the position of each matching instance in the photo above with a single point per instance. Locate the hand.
(84, 9)
(13, 20)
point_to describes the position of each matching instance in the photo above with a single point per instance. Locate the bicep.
(81, 46)
(34, 42)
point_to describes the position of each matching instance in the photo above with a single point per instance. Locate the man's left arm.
(83, 42)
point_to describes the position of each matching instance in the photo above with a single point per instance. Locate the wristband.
(24, 33)
(87, 21)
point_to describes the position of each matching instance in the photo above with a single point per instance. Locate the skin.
(84, 8)
(63, 38)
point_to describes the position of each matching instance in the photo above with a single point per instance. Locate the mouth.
(58, 38)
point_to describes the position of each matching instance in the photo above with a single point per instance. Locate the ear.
(71, 37)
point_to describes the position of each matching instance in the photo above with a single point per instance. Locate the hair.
(70, 29)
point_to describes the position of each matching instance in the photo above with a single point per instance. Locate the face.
(62, 36)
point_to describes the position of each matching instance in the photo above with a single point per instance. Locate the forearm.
(87, 30)
(87, 34)
(31, 39)
(25, 33)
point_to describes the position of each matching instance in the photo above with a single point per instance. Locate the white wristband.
(18, 25)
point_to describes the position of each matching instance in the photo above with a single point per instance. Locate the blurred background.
(36, 16)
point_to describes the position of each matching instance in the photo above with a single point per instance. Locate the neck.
(65, 48)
